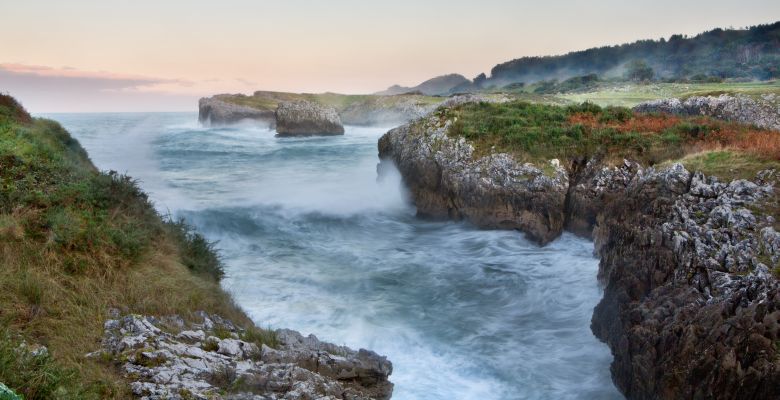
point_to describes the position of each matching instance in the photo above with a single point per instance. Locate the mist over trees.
(749, 54)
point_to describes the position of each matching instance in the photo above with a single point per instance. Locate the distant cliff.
(352, 109)
(440, 85)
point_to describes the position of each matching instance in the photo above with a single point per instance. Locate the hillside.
(100, 295)
(440, 85)
(752, 53)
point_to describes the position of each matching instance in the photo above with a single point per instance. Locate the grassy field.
(631, 94)
(537, 132)
(75, 242)
(269, 100)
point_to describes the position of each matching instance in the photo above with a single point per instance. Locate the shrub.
(196, 252)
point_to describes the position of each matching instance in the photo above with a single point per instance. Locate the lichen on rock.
(167, 358)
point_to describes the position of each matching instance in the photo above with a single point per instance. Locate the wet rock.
(305, 118)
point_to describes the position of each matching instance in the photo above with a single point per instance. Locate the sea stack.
(305, 118)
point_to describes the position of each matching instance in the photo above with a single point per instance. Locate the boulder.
(305, 118)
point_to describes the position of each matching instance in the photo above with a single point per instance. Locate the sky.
(139, 55)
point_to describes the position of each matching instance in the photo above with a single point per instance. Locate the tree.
(639, 71)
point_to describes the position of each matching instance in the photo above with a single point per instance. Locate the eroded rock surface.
(691, 307)
(167, 358)
(305, 118)
(215, 111)
(763, 112)
(494, 191)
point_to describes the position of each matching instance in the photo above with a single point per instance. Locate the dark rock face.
(690, 308)
(763, 112)
(304, 118)
(492, 192)
(215, 111)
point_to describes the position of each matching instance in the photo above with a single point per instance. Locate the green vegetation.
(539, 132)
(75, 242)
(726, 164)
(639, 71)
(749, 54)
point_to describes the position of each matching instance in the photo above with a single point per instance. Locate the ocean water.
(313, 242)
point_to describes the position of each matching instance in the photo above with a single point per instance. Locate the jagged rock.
(305, 118)
(216, 111)
(690, 308)
(193, 365)
(763, 112)
(492, 191)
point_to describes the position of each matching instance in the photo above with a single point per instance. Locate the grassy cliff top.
(75, 242)
(537, 132)
(265, 100)
(631, 94)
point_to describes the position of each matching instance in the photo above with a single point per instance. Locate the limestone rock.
(304, 118)
(186, 365)
(214, 110)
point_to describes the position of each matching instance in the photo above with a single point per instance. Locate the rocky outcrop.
(305, 118)
(763, 112)
(216, 111)
(492, 191)
(691, 308)
(167, 358)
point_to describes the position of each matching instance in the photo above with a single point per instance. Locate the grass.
(540, 132)
(75, 242)
(726, 164)
(631, 94)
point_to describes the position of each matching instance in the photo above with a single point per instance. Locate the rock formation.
(305, 118)
(216, 111)
(763, 112)
(691, 307)
(167, 358)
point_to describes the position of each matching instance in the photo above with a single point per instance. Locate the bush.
(196, 252)
(639, 71)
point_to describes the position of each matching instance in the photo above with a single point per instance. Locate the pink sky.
(162, 55)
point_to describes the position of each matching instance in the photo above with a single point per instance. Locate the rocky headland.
(364, 110)
(762, 111)
(304, 118)
(689, 262)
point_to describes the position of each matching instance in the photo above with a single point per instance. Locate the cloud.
(67, 89)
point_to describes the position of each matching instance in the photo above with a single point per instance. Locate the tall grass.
(75, 242)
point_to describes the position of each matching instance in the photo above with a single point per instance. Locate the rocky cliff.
(352, 109)
(216, 111)
(762, 111)
(304, 118)
(691, 306)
